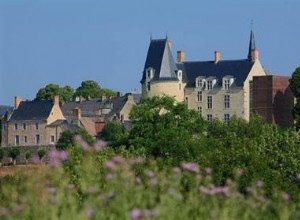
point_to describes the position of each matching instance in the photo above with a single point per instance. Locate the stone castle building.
(217, 88)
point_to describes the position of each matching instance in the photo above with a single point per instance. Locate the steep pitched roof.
(32, 110)
(251, 45)
(4, 109)
(239, 69)
(159, 57)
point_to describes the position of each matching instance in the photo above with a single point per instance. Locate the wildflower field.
(101, 183)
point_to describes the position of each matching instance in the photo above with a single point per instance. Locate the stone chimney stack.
(76, 116)
(217, 56)
(56, 100)
(255, 54)
(180, 56)
(18, 100)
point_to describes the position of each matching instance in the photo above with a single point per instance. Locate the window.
(209, 85)
(209, 102)
(148, 86)
(37, 138)
(25, 139)
(24, 126)
(199, 96)
(17, 140)
(226, 118)
(226, 101)
(199, 83)
(16, 126)
(200, 109)
(186, 100)
(226, 84)
(37, 126)
(52, 139)
(209, 118)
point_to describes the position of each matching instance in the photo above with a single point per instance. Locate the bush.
(13, 153)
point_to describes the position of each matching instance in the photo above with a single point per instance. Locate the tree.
(1, 155)
(41, 153)
(165, 128)
(27, 156)
(295, 87)
(66, 139)
(114, 133)
(51, 90)
(13, 153)
(91, 89)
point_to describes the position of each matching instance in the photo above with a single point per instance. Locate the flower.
(150, 174)
(57, 157)
(135, 214)
(176, 170)
(138, 160)
(259, 183)
(89, 212)
(208, 170)
(100, 145)
(192, 167)
(118, 159)
(109, 164)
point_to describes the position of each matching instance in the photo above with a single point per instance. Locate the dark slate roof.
(32, 110)
(239, 69)
(159, 57)
(65, 125)
(4, 109)
(251, 45)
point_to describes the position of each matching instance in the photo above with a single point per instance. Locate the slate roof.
(239, 69)
(159, 57)
(32, 110)
(65, 125)
(4, 109)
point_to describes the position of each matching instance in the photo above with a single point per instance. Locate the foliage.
(114, 133)
(91, 89)
(118, 186)
(27, 156)
(1, 154)
(49, 91)
(66, 139)
(295, 87)
(164, 128)
(41, 153)
(13, 153)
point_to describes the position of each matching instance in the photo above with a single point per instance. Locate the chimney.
(254, 55)
(180, 56)
(18, 100)
(56, 100)
(119, 94)
(217, 56)
(76, 116)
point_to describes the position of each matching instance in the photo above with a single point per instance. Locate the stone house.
(32, 123)
(216, 88)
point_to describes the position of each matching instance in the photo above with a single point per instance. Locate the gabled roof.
(159, 57)
(4, 109)
(32, 110)
(239, 69)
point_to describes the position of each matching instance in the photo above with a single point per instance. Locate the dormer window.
(150, 73)
(200, 81)
(210, 82)
(179, 74)
(209, 85)
(227, 82)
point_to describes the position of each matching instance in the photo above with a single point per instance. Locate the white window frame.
(209, 118)
(199, 96)
(209, 102)
(209, 85)
(226, 101)
(226, 117)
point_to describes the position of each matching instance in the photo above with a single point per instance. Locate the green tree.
(91, 89)
(114, 133)
(27, 156)
(66, 139)
(1, 155)
(165, 128)
(13, 153)
(41, 153)
(295, 87)
(51, 90)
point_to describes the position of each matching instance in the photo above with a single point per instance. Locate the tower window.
(148, 86)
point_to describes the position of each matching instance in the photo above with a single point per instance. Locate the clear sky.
(68, 41)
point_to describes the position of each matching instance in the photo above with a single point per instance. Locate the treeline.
(88, 89)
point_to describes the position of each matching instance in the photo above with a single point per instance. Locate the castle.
(217, 88)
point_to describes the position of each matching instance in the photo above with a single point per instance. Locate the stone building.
(273, 99)
(217, 88)
(30, 123)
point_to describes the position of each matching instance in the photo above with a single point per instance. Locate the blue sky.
(68, 41)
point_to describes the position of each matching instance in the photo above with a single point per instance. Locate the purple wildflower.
(208, 170)
(35, 159)
(56, 157)
(82, 143)
(109, 176)
(150, 174)
(109, 164)
(51, 190)
(138, 180)
(136, 161)
(192, 167)
(176, 170)
(285, 196)
(154, 181)
(4, 211)
(89, 212)
(135, 214)
(91, 190)
(100, 145)
(118, 159)
(259, 183)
